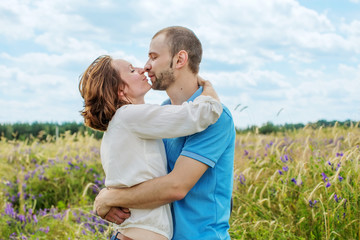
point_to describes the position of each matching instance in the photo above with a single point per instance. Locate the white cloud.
(234, 28)
(279, 55)
(250, 78)
(52, 24)
(311, 74)
(301, 57)
(352, 29)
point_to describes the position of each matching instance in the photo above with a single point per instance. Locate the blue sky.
(299, 58)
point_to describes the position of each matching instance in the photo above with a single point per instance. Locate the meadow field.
(300, 184)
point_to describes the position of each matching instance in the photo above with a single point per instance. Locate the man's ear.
(182, 59)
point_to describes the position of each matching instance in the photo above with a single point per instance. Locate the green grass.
(48, 187)
(275, 205)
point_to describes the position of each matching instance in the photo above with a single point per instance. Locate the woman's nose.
(141, 70)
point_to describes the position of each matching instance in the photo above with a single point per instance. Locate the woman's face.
(136, 82)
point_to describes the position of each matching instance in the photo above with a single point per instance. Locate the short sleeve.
(209, 145)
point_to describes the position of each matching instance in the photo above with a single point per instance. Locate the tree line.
(269, 127)
(22, 131)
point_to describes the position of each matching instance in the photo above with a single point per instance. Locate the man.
(200, 166)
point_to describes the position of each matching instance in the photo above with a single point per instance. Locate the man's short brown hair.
(181, 38)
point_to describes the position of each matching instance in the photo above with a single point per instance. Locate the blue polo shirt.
(205, 211)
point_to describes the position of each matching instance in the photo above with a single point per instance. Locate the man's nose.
(147, 66)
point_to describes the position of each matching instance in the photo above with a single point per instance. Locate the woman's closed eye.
(132, 69)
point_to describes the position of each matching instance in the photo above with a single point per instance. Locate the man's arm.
(155, 192)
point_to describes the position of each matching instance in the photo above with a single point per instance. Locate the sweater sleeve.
(150, 121)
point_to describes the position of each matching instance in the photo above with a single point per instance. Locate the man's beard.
(164, 80)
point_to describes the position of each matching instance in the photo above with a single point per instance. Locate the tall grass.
(301, 184)
(48, 188)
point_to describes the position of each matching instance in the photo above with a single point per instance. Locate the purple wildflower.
(324, 177)
(98, 182)
(9, 210)
(338, 166)
(312, 204)
(336, 198)
(22, 218)
(339, 154)
(340, 178)
(280, 172)
(45, 230)
(294, 180)
(285, 158)
(286, 168)
(35, 218)
(43, 212)
(242, 179)
(328, 184)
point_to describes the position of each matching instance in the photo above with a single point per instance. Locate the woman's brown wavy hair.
(99, 86)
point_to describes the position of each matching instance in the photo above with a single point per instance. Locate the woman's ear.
(182, 59)
(121, 94)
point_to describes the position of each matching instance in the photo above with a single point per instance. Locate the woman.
(131, 149)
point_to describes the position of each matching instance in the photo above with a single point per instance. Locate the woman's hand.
(116, 215)
(208, 89)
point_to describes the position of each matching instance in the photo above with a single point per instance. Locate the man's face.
(158, 65)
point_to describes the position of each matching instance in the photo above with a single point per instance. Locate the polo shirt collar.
(192, 98)
(196, 94)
